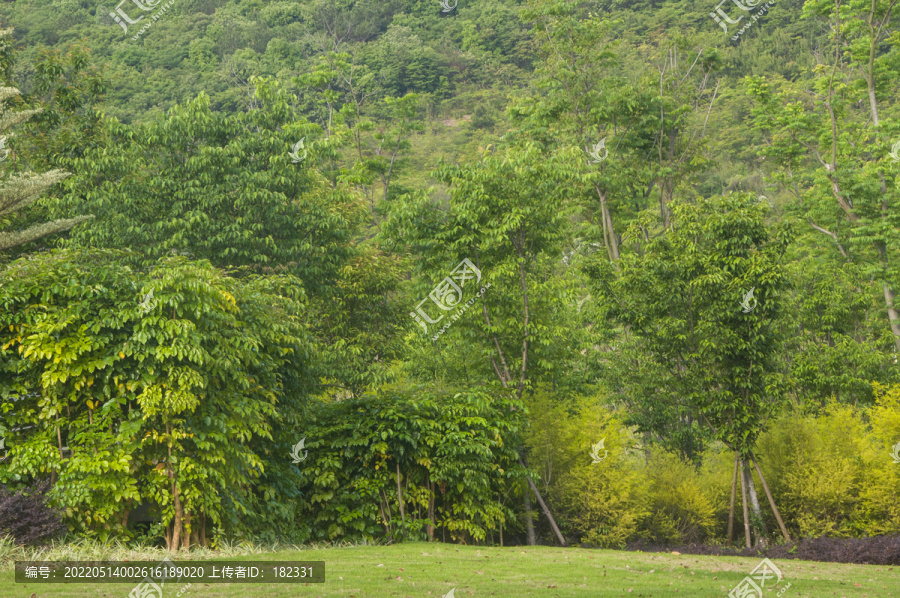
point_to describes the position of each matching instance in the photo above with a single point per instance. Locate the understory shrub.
(26, 516)
(449, 456)
(832, 474)
(880, 495)
(680, 508)
(600, 503)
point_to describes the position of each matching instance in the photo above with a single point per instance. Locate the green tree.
(508, 216)
(214, 187)
(707, 359)
(830, 144)
(411, 459)
(166, 387)
(19, 191)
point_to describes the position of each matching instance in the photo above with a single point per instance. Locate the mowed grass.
(417, 570)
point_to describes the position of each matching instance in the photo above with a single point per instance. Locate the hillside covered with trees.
(487, 272)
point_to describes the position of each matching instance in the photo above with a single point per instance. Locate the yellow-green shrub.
(600, 503)
(714, 477)
(680, 511)
(880, 495)
(831, 474)
(816, 468)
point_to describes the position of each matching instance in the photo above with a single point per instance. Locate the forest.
(498, 272)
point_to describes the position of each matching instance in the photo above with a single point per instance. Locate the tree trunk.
(176, 501)
(784, 531)
(387, 530)
(203, 541)
(746, 515)
(501, 522)
(731, 506)
(609, 234)
(429, 527)
(665, 198)
(179, 513)
(186, 541)
(761, 533)
(893, 317)
(387, 520)
(400, 496)
(543, 505)
(529, 524)
(537, 494)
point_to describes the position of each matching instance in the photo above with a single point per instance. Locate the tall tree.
(508, 215)
(172, 386)
(709, 346)
(20, 191)
(830, 143)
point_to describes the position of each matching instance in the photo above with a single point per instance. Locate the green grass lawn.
(420, 569)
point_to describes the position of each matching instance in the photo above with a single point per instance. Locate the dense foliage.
(600, 259)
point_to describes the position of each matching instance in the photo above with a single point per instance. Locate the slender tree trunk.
(746, 514)
(542, 504)
(761, 533)
(179, 514)
(400, 496)
(387, 530)
(501, 521)
(59, 437)
(203, 541)
(530, 538)
(387, 510)
(731, 506)
(429, 527)
(762, 480)
(665, 198)
(176, 501)
(553, 526)
(609, 234)
(893, 317)
(186, 541)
